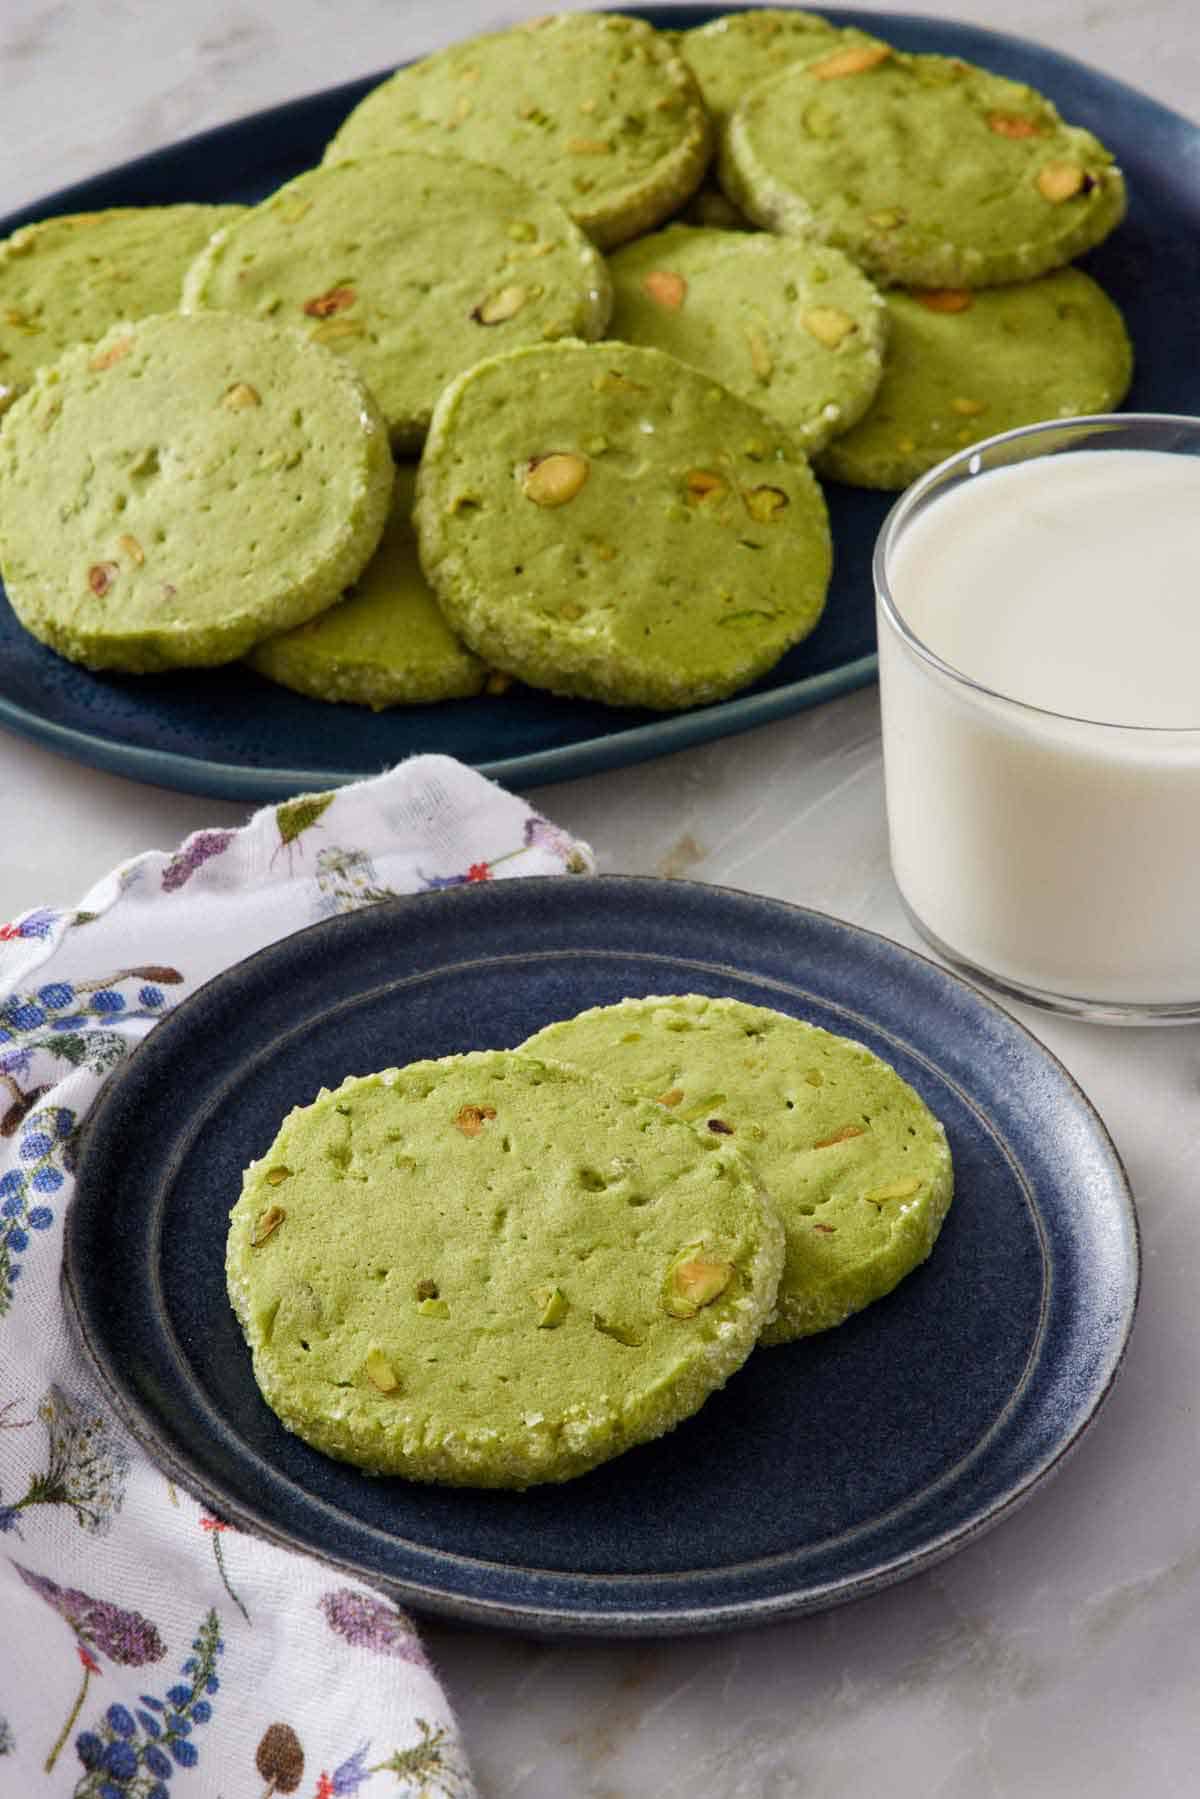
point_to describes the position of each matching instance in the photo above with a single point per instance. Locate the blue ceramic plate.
(233, 734)
(825, 1468)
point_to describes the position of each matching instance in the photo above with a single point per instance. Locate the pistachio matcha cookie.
(855, 1164)
(385, 643)
(963, 365)
(602, 520)
(491, 1271)
(65, 281)
(412, 266)
(593, 109)
(184, 487)
(926, 170)
(793, 327)
(730, 55)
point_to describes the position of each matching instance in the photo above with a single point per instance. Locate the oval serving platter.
(232, 734)
(825, 1469)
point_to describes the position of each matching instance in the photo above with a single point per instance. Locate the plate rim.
(571, 1619)
(621, 747)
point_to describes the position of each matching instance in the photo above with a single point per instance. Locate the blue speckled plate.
(233, 734)
(824, 1469)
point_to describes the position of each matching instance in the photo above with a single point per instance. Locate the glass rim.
(910, 500)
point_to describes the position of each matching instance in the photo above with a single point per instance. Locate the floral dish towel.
(146, 1647)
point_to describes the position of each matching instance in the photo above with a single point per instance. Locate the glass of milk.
(1038, 602)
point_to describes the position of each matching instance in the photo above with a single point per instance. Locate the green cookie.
(184, 487)
(929, 172)
(386, 643)
(601, 520)
(412, 266)
(730, 55)
(963, 365)
(856, 1165)
(490, 1271)
(593, 109)
(66, 280)
(793, 327)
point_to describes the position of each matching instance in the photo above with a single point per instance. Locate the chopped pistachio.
(665, 288)
(827, 325)
(766, 503)
(427, 1289)
(1059, 181)
(265, 1223)
(703, 484)
(854, 61)
(761, 360)
(433, 1308)
(336, 299)
(379, 1371)
(470, 1119)
(620, 1333)
(332, 329)
(504, 304)
(239, 396)
(553, 480)
(1014, 124)
(275, 1176)
(694, 1280)
(945, 299)
(104, 359)
(843, 1135)
(895, 1190)
(553, 1302)
(101, 576)
(671, 1097)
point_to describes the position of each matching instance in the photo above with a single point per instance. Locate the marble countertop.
(1056, 1655)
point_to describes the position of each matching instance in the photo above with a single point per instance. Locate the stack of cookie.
(614, 497)
(505, 1267)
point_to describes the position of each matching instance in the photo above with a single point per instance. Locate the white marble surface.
(1057, 1656)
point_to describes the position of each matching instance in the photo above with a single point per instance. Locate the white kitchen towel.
(147, 1648)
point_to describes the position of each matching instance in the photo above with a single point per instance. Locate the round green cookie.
(963, 365)
(793, 327)
(412, 266)
(386, 643)
(602, 520)
(929, 172)
(594, 109)
(184, 487)
(490, 1271)
(65, 281)
(730, 55)
(855, 1164)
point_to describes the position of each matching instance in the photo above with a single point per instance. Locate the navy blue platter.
(233, 734)
(825, 1469)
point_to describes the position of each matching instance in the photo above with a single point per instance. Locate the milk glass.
(1052, 855)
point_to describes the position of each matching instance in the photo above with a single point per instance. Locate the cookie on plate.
(184, 487)
(855, 1163)
(490, 1271)
(594, 109)
(963, 364)
(794, 327)
(926, 170)
(385, 643)
(64, 281)
(413, 267)
(732, 54)
(602, 520)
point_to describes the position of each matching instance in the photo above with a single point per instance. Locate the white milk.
(1058, 855)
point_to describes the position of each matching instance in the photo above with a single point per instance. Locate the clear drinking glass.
(1054, 858)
